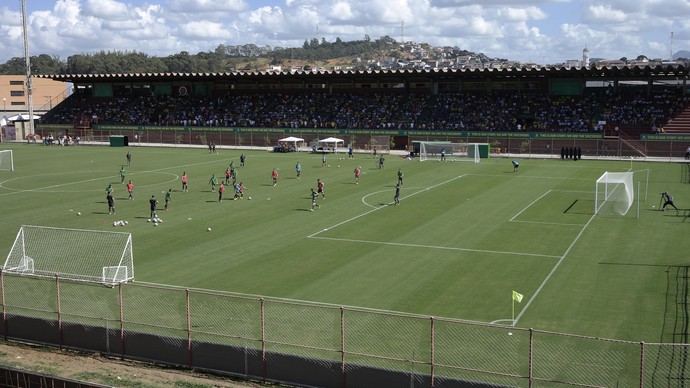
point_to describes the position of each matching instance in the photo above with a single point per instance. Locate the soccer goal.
(6, 160)
(82, 255)
(462, 152)
(614, 193)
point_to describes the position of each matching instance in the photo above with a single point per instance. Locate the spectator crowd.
(443, 111)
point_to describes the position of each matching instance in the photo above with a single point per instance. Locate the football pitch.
(463, 238)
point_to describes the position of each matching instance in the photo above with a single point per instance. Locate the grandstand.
(548, 101)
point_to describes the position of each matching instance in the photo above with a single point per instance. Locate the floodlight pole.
(29, 82)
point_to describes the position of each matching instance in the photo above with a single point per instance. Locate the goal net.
(438, 150)
(614, 193)
(6, 160)
(81, 255)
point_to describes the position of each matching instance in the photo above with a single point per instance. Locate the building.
(46, 93)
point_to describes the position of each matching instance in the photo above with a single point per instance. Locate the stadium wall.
(525, 144)
(308, 344)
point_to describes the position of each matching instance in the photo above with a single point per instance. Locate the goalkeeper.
(668, 200)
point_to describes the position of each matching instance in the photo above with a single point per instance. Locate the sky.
(538, 31)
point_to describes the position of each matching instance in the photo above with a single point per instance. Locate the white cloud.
(342, 11)
(195, 6)
(203, 30)
(605, 14)
(550, 30)
(106, 9)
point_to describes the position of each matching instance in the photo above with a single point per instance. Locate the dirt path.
(102, 370)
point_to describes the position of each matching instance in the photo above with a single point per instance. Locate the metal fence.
(591, 145)
(320, 345)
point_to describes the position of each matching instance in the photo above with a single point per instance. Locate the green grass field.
(464, 236)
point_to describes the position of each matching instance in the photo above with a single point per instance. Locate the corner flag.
(517, 296)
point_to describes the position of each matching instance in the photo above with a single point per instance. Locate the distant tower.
(585, 57)
(402, 31)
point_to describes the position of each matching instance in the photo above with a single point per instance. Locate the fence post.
(120, 302)
(433, 351)
(189, 328)
(342, 347)
(263, 338)
(4, 310)
(59, 311)
(531, 356)
(641, 364)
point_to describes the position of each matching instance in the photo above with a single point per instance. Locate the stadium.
(563, 273)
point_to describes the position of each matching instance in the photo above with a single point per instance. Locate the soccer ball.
(155, 224)
(114, 223)
(209, 229)
(250, 198)
(126, 223)
(338, 166)
(78, 213)
(149, 220)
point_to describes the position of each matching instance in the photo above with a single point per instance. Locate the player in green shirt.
(213, 182)
(314, 196)
(122, 174)
(168, 198)
(400, 177)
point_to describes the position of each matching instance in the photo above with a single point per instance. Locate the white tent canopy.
(22, 117)
(332, 140)
(292, 139)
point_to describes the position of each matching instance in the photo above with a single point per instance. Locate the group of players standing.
(153, 202)
(230, 173)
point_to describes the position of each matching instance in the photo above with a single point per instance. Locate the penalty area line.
(435, 247)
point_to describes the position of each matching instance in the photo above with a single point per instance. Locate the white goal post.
(449, 151)
(81, 255)
(614, 193)
(6, 160)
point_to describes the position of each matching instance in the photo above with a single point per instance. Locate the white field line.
(530, 205)
(113, 176)
(315, 235)
(437, 247)
(544, 222)
(382, 207)
(553, 270)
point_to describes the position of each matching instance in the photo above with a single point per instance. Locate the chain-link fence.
(321, 345)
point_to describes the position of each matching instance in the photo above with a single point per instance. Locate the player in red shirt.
(184, 181)
(221, 190)
(319, 188)
(358, 170)
(274, 176)
(130, 189)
